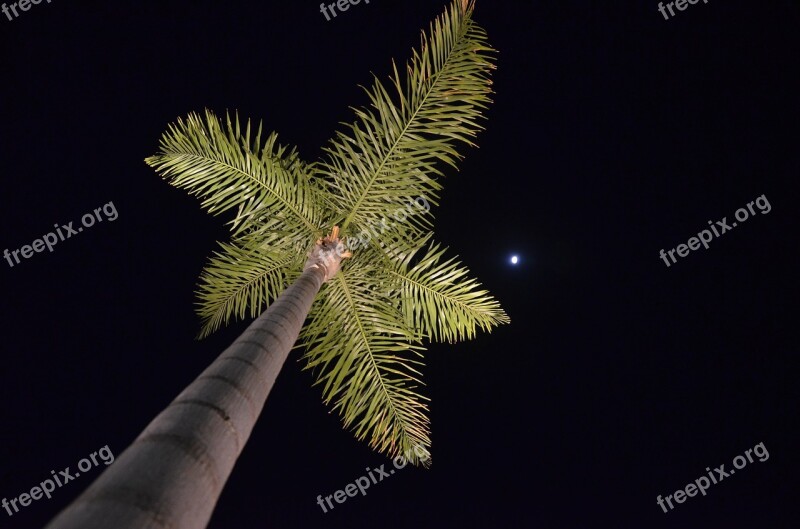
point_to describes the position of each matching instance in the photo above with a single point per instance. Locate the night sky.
(614, 134)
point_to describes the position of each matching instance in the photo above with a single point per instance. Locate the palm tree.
(363, 336)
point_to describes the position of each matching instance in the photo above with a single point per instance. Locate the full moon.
(514, 259)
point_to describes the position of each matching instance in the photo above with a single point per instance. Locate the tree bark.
(173, 473)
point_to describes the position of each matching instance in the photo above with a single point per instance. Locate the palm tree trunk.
(173, 473)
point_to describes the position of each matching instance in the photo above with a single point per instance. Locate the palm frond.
(248, 274)
(438, 298)
(367, 363)
(394, 151)
(227, 169)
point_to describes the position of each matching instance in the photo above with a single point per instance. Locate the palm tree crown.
(364, 334)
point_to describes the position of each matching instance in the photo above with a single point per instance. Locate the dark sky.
(614, 134)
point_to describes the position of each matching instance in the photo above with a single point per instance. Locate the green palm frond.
(394, 150)
(439, 300)
(367, 362)
(228, 169)
(243, 279)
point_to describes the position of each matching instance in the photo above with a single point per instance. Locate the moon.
(514, 259)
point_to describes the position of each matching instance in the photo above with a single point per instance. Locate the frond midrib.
(281, 264)
(386, 158)
(466, 307)
(303, 219)
(362, 332)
